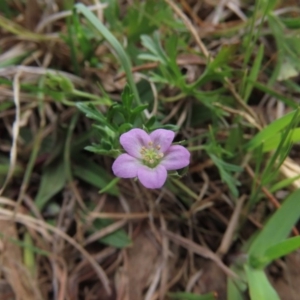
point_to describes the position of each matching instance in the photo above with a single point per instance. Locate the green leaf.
(150, 122)
(259, 285)
(293, 23)
(272, 129)
(110, 185)
(273, 142)
(283, 183)
(288, 101)
(125, 127)
(233, 291)
(90, 172)
(234, 140)
(118, 239)
(138, 109)
(115, 108)
(236, 287)
(143, 17)
(225, 169)
(28, 254)
(53, 180)
(59, 83)
(158, 78)
(91, 112)
(5, 8)
(281, 249)
(171, 45)
(287, 62)
(151, 57)
(254, 72)
(112, 14)
(127, 97)
(84, 42)
(223, 57)
(278, 227)
(154, 46)
(167, 126)
(270, 5)
(98, 149)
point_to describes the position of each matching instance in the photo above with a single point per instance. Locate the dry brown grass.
(175, 246)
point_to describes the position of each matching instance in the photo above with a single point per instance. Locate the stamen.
(151, 155)
(143, 149)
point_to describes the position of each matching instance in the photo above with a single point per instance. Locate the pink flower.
(149, 156)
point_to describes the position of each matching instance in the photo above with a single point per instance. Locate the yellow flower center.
(151, 155)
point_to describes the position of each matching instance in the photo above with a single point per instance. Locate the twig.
(200, 250)
(190, 26)
(227, 237)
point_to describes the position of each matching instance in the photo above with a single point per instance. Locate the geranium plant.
(149, 151)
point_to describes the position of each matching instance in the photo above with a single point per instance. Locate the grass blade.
(259, 285)
(282, 249)
(275, 231)
(121, 54)
(272, 129)
(254, 73)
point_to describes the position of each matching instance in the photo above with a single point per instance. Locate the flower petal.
(152, 178)
(177, 157)
(163, 138)
(126, 166)
(133, 140)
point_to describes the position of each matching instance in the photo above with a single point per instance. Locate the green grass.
(94, 73)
